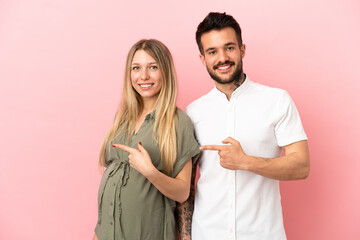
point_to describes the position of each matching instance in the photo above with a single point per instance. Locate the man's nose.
(222, 56)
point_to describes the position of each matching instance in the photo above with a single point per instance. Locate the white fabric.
(236, 204)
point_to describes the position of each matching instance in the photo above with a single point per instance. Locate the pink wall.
(61, 67)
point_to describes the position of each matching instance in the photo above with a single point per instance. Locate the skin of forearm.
(294, 165)
(184, 211)
(177, 188)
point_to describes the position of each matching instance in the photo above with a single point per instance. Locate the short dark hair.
(217, 21)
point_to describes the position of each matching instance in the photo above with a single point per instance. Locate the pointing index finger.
(214, 147)
(125, 148)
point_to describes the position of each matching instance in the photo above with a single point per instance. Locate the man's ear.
(202, 58)
(243, 50)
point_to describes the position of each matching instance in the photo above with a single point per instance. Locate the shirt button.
(230, 231)
(111, 223)
(111, 204)
(114, 184)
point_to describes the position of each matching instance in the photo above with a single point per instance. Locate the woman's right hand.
(139, 159)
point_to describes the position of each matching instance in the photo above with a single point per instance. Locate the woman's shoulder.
(182, 118)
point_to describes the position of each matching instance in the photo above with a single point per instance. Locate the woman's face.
(145, 76)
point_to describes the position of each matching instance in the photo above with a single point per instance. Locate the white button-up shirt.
(237, 204)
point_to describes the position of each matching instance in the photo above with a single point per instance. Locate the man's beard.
(235, 77)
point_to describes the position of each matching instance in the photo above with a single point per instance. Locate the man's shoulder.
(269, 97)
(266, 94)
(258, 87)
(201, 101)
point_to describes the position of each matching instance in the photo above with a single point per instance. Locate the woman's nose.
(145, 74)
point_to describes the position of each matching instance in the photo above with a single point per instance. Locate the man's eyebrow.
(230, 43)
(226, 44)
(209, 49)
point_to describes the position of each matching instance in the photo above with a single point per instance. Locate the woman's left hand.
(139, 159)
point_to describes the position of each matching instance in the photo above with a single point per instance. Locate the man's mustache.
(223, 63)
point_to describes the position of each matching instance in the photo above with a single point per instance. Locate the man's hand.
(295, 164)
(232, 155)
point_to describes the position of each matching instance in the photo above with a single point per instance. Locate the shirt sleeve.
(187, 146)
(289, 128)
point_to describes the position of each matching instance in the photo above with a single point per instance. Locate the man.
(243, 128)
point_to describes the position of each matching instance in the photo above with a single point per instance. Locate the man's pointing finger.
(214, 147)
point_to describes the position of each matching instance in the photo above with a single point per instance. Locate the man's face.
(222, 55)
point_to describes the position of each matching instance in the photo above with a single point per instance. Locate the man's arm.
(295, 164)
(184, 211)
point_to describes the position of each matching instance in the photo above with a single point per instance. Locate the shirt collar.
(237, 92)
(151, 115)
(242, 88)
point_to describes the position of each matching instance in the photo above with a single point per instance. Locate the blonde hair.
(165, 107)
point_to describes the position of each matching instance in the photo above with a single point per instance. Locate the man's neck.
(229, 88)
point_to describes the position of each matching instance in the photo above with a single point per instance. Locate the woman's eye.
(153, 67)
(135, 68)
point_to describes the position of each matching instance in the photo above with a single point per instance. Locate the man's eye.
(212, 52)
(230, 48)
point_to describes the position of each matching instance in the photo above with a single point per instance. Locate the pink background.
(61, 68)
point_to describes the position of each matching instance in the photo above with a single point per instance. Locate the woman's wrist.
(151, 173)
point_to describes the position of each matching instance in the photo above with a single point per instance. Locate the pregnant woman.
(148, 153)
